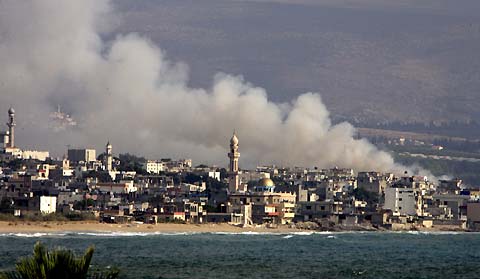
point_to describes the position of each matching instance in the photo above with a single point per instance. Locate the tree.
(364, 195)
(58, 263)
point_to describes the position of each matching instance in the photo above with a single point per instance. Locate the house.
(473, 215)
(48, 204)
(401, 201)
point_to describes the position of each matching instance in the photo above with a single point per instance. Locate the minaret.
(233, 183)
(65, 163)
(11, 125)
(108, 157)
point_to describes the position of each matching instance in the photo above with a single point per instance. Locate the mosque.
(7, 138)
(259, 205)
(8, 149)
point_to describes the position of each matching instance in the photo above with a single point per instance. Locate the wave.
(432, 232)
(286, 235)
(37, 234)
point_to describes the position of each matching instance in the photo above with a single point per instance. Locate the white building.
(400, 201)
(48, 204)
(214, 175)
(35, 155)
(154, 167)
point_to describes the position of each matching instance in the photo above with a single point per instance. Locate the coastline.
(85, 226)
(96, 227)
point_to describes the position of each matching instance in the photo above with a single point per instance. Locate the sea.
(266, 255)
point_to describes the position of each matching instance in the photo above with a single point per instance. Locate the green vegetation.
(84, 204)
(129, 162)
(59, 263)
(7, 215)
(363, 195)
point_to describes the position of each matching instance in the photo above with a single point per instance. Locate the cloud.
(126, 90)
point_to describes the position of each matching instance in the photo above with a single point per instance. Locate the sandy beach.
(83, 226)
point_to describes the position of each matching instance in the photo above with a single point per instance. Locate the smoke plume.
(127, 91)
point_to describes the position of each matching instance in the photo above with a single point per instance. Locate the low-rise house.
(473, 215)
(456, 203)
(308, 211)
(125, 187)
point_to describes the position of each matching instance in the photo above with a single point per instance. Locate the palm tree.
(58, 263)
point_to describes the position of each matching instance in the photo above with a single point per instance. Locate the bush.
(59, 263)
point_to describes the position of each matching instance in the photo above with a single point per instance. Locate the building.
(82, 155)
(35, 155)
(48, 204)
(372, 182)
(314, 210)
(11, 128)
(233, 178)
(473, 215)
(267, 206)
(108, 157)
(456, 203)
(400, 201)
(117, 188)
(4, 139)
(154, 167)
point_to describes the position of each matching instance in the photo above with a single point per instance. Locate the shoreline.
(96, 227)
(85, 226)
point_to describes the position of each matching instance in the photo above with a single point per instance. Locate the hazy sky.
(175, 78)
(392, 60)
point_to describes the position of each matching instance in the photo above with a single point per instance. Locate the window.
(400, 199)
(400, 208)
(309, 207)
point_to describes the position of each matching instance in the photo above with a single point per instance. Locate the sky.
(392, 60)
(175, 78)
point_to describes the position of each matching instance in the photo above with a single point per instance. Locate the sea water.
(265, 255)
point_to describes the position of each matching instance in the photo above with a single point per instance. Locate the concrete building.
(372, 182)
(473, 215)
(308, 211)
(400, 201)
(233, 178)
(456, 203)
(266, 204)
(11, 128)
(35, 155)
(82, 155)
(108, 157)
(48, 204)
(4, 139)
(154, 167)
(117, 188)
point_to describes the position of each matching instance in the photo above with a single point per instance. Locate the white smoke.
(126, 91)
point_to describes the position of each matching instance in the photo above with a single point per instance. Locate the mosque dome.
(11, 111)
(266, 182)
(234, 140)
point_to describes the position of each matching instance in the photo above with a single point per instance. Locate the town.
(128, 189)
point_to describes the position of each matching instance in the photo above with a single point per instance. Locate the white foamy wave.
(129, 234)
(38, 234)
(433, 232)
(245, 233)
(302, 233)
